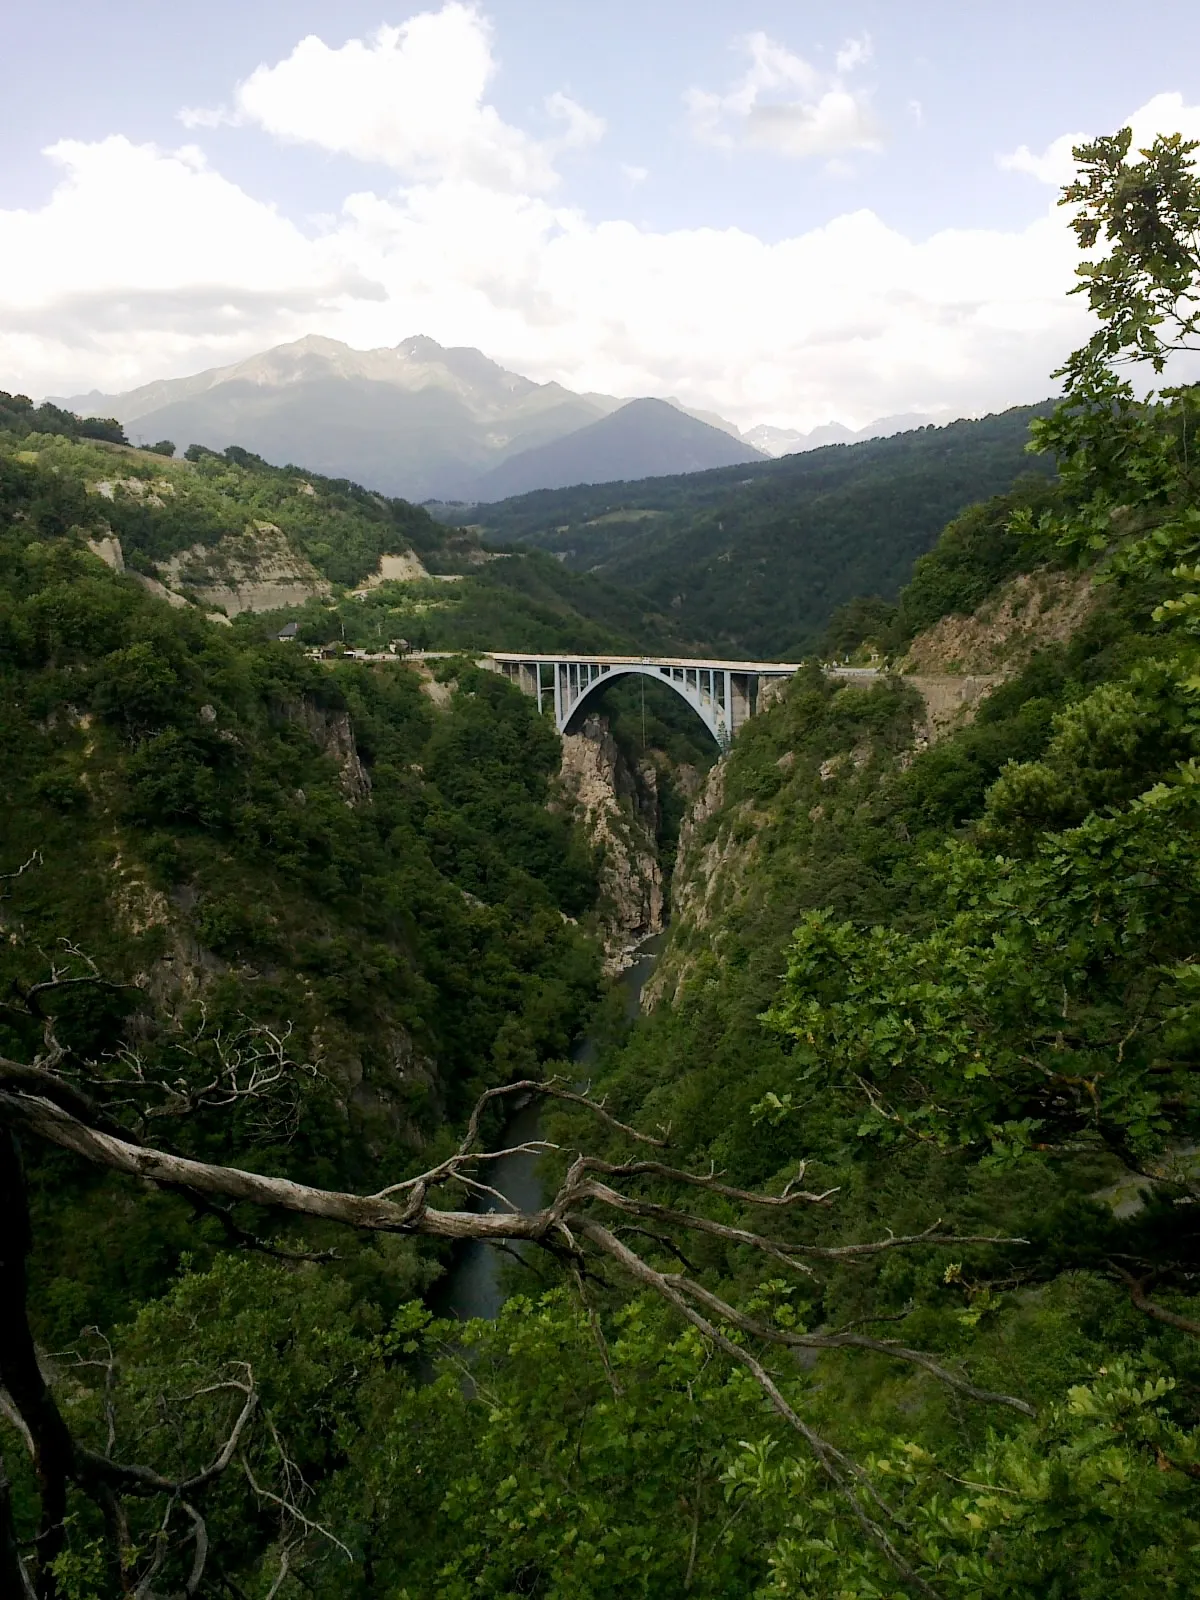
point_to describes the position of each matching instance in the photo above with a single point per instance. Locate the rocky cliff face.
(1029, 612)
(618, 807)
(707, 869)
(332, 731)
(257, 570)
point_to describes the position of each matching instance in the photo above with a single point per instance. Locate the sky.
(783, 212)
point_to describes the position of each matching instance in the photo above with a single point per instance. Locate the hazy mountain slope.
(789, 441)
(418, 420)
(422, 445)
(646, 438)
(752, 558)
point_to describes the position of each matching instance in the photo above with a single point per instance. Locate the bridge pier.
(724, 694)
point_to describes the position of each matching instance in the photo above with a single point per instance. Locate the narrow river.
(472, 1288)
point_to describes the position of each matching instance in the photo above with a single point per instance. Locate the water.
(472, 1287)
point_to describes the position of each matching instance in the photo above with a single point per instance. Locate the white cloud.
(1166, 113)
(783, 103)
(853, 320)
(147, 263)
(143, 259)
(411, 98)
(634, 174)
(582, 127)
(853, 53)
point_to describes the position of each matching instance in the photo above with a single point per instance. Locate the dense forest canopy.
(753, 559)
(868, 1262)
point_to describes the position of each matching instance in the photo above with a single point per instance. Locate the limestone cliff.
(618, 808)
(257, 570)
(1024, 615)
(331, 730)
(711, 858)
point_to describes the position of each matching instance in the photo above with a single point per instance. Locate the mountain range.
(417, 420)
(789, 441)
(434, 423)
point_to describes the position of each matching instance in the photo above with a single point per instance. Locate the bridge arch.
(716, 724)
(723, 694)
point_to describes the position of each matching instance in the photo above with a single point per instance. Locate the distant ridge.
(754, 558)
(418, 419)
(644, 439)
(789, 441)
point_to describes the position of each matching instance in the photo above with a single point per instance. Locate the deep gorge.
(859, 1262)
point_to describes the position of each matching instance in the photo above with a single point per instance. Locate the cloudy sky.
(786, 212)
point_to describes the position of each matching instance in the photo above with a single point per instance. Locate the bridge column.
(740, 704)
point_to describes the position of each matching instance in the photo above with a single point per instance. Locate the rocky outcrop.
(709, 867)
(332, 731)
(696, 867)
(1026, 614)
(257, 570)
(407, 567)
(950, 703)
(618, 809)
(108, 549)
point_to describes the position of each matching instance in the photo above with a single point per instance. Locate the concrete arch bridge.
(723, 694)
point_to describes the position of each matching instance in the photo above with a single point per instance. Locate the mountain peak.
(421, 347)
(417, 418)
(644, 438)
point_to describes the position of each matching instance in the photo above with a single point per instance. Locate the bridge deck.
(762, 668)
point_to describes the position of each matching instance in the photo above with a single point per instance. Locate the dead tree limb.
(36, 1102)
(1150, 1308)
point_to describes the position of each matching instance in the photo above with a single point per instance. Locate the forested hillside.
(866, 1263)
(752, 560)
(231, 534)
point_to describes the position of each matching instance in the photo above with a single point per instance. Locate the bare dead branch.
(35, 860)
(828, 1457)
(15, 1420)
(552, 1088)
(790, 1254)
(250, 1241)
(564, 1228)
(291, 1510)
(849, 1341)
(42, 1080)
(144, 1481)
(285, 1566)
(597, 1334)
(38, 1116)
(14, 1576)
(661, 1239)
(200, 1549)
(710, 1183)
(1150, 1308)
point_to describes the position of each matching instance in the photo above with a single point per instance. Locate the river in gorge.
(473, 1286)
